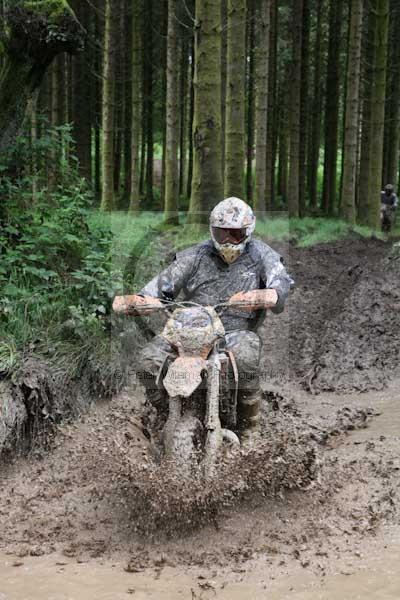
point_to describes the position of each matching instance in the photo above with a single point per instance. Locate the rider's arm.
(276, 278)
(169, 282)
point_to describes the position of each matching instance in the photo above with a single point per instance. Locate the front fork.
(215, 433)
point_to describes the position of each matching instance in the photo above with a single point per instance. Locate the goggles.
(229, 236)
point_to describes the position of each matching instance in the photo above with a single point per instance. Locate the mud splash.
(156, 501)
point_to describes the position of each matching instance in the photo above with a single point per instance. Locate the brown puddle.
(55, 578)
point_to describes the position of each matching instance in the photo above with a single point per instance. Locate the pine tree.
(332, 107)
(262, 65)
(171, 205)
(348, 192)
(108, 104)
(207, 180)
(380, 9)
(235, 99)
(295, 104)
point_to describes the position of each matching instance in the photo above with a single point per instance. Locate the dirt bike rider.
(234, 267)
(389, 199)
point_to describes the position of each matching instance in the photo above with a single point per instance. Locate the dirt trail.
(66, 524)
(349, 547)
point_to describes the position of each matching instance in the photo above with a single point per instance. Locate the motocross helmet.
(389, 188)
(232, 222)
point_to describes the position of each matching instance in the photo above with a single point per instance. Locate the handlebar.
(170, 305)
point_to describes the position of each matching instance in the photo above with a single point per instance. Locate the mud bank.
(342, 329)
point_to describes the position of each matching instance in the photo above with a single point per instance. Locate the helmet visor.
(229, 236)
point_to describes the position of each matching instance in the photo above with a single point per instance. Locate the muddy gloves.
(254, 300)
(136, 305)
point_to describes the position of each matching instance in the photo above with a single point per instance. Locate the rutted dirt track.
(318, 497)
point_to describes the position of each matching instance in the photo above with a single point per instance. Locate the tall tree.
(272, 121)
(207, 180)
(262, 65)
(304, 104)
(348, 192)
(148, 70)
(250, 75)
(332, 106)
(171, 205)
(137, 54)
(316, 121)
(235, 99)
(295, 105)
(380, 9)
(108, 104)
(392, 113)
(82, 128)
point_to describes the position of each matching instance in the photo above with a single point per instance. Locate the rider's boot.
(249, 417)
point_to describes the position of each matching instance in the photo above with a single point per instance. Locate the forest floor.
(316, 512)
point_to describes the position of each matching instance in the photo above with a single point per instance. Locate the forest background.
(110, 108)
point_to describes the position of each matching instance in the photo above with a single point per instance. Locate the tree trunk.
(183, 77)
(365, 150)
(348, 194)
(304, 106)
(27, 52)
(108, 104)
(250, 99)
(380, 10)
(207, 181)
(295, 104)
(191, 120)
(235, 99)
(224, 59)
(171, 205)
(315, 136)
(137, 53)
(148, 101)
(392, 118)
(82, 127)
(262, 64)
(128, 56)
(272, 125)
(332, 107)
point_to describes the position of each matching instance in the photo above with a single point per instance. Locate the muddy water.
(55, 578)
(372, 574)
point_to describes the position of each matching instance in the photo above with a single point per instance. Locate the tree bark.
(348, 193)
(316, 125)
(250, 99)
(392, 115)
(137, 54)
(295, 104)
(235, 99)
(148, 101)
(332, 107)
(262, 65)
(108, 104)
(171, 205)
(272, 125)
(304, 106)
(207, 180)
(380, 10)
(82, 126)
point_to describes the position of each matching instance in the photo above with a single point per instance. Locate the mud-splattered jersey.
(199, 274)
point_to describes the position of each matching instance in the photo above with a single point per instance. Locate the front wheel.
(183, 443)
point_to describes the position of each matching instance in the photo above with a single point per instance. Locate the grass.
(129, 230)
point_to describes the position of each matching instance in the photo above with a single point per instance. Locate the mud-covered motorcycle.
(201, 380)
